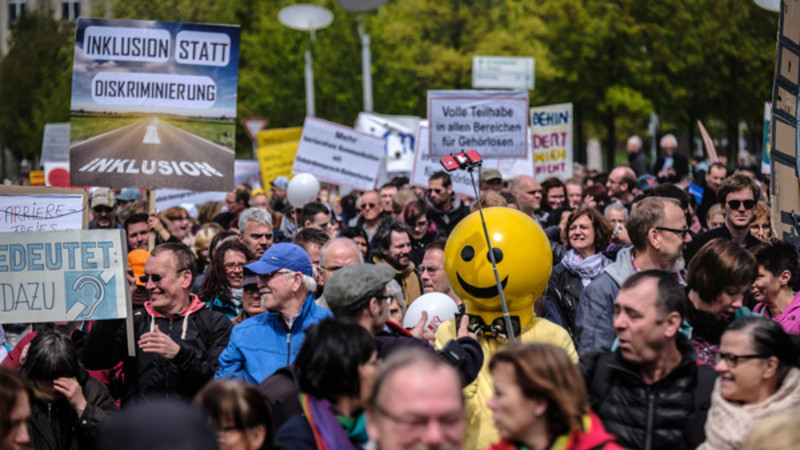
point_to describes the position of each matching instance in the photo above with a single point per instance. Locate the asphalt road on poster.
(175, 156)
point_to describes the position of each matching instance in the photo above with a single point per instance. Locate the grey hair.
(258, 215)
(309, 283)
(668, 137)
(615, 206)
(394, 289)
(341, 239)
(636, 140)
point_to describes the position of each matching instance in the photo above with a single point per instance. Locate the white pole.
(309, 84)
(366, 65)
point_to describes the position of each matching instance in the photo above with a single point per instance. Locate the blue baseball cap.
(282, 256)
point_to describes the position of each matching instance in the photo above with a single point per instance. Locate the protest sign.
(279, 136)
(340, 155)
(245, 171)
(399, 133)
(27, 208)
(765, 145)
(426, 165)
(551, 141)
(154, 104)
(494, 123)
(63, 275)
(55, 143)
(276, 160)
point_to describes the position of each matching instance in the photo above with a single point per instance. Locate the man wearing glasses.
(657, 228)
(104, 209)
(178, 340)
(738, 195)
(335, 254)
(446, 209)
(263, 344)
(431, 272)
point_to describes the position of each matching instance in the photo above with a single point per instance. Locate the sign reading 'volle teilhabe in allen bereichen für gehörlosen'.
(154, 104)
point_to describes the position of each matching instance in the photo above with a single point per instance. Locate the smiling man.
(650, 392)
(178, 340)
(738, 195)
(392, 245)
(431, 272)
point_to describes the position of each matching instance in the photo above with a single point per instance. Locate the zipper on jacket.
(648, 437)
(288, 348)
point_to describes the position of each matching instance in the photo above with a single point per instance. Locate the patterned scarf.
(587, 269)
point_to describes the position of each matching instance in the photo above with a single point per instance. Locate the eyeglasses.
(233, 266)
(431, 270)
(267, 277)
(368, 205)
(448, 422)
(748, 204)
(156, 277)
(681, 231)
(436, 190)
(732, 360)
(102, 209)
(330, 269)
(421, 224)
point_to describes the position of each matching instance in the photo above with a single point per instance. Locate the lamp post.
(359, 7)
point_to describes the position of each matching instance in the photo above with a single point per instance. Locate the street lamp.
(359, 7)
(307, 18)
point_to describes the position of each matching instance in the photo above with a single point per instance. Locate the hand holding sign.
(159, 343)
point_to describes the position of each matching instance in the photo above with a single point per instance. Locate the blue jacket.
(261, 345)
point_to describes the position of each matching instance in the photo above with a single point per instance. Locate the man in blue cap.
(263, 344)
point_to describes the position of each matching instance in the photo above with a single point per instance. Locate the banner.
(245, 171)
(42, 209)
(340, 155)
(495, 123)
(55, 143)
(279, 136)
(64, 275)
(399, 133)
(551, 141)
(276, 160)
(154, 104)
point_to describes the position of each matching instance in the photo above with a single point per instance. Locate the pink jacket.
(789, 318)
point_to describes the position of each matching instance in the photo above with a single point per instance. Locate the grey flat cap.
(347, 289)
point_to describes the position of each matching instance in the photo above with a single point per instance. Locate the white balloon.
(302, 189)
(440, 308)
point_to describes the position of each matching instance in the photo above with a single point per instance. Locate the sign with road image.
(154, 104)
(51, 276)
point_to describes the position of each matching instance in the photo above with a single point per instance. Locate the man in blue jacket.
(263, 344)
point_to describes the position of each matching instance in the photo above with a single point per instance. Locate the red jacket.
(594, 438)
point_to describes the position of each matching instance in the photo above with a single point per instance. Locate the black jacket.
(148, 374)
(669, 414)
(699, 240)
(638, 162)
(56, 426)
(564, 291)
(679, 163)
(446, 221)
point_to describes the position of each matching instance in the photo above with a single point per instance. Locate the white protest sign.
(55, 143)
(245, 171)
(400, 134)
(42, 209)
(494, 123)
(64, 275)
(510, 168)
(338, 154)
(551, 140)
(426, 165)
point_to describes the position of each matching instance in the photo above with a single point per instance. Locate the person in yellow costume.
(523, 257)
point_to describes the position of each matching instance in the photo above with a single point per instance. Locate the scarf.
(729, 424)
(331, 429)
(587, 269)
(406, 277)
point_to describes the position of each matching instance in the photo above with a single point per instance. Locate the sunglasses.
(102, 209)
(748, 204)
(436, 190)
(155, 277)
(681, 231)
(368, 205)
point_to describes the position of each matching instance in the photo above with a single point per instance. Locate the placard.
(338, 154)
(426, 165)
(551, 141)
(154, 104)
(276, 160)
(245, 171)
(26, 208)
(55, 143)
(62, 276)
(399, 134)
(494, 123)
(279, 136)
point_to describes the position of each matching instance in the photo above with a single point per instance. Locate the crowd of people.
(669, 320)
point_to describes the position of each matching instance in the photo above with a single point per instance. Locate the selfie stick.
(469, 161)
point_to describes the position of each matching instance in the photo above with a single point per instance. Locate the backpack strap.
(703, 386)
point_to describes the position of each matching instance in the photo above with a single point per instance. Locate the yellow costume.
(524, 261)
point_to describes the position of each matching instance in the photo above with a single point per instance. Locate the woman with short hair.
(236, 411)
(540, 402)
(758, 377)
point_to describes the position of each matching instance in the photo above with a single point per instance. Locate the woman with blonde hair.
(180, 224)
(540, 402)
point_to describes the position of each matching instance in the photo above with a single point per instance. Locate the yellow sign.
(36, 177)
(278, 136)
(276, 160)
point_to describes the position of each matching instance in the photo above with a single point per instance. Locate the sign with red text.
(551, 141)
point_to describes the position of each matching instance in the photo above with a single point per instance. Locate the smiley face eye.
(498, 255)
(468, 253)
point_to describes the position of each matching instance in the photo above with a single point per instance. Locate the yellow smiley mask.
(523, 256)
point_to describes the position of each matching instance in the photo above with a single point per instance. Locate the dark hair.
(243, 196)
(11, 384)
(777, 256)
(548, 184)
(670, 295)
(382, 239)
(233, 403)
(413, 211)
(510, 198)
(598, 191)
(310, 210)
(545, 372)
(735, 183)
(438, 244)
(307, 236)
(136, 218)
(219, 239)
(327, 364)
(602, 228)
(184, 257)
(51, 356)
(720, 264)
(769, 338)
(215, 284)
(669, 190)
(352, 232)
(718, 165)
(442, 175)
